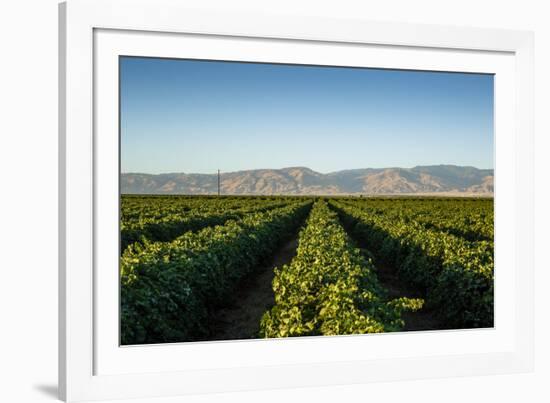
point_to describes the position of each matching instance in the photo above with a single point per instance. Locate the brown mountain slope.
(304, 181)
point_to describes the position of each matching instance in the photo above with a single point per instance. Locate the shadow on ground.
(48, 390)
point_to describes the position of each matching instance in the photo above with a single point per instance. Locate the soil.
(253, 297)
(422, 319)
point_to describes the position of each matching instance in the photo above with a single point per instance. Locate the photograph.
(271, 200)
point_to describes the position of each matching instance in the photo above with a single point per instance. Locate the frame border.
(77, 21)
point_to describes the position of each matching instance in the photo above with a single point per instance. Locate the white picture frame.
(92, 365)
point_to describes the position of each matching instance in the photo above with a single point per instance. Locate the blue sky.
(199, 116)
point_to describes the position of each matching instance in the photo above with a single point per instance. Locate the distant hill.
(443, 179)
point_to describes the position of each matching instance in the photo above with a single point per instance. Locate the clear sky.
(200, 116)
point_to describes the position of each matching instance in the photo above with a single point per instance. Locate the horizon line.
(215, 172)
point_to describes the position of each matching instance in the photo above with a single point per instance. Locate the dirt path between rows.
(414, 321)
(253, 297)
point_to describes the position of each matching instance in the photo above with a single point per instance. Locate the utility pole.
(218, 182)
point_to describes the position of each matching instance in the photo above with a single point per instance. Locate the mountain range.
(435, 179)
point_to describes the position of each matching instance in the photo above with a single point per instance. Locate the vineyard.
(193, 266)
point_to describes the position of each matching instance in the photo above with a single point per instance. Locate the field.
(198, 268)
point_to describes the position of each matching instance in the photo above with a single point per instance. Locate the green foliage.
(169, 288)
(164, 218)
(329, 288)
(456, 273)
(182, 258)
